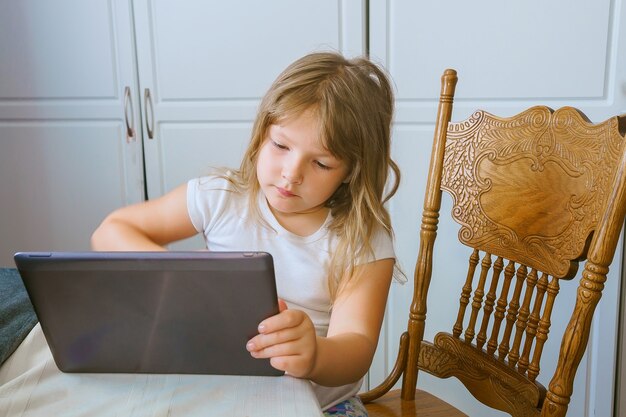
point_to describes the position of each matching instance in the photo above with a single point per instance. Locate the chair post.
(589, 292)
(428, 233)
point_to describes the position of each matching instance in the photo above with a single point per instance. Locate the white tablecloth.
(31, 385)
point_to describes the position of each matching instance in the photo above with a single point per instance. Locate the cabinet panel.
(65, 157)
(69, 176)
(54, 55)
(555, 53)
(232, 50)
(517, 50)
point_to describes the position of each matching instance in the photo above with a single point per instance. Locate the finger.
(292, 349)
(283, 320)
(263, 341)
(282, 305)
(283, 349)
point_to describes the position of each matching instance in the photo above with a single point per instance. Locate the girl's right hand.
(289, 340)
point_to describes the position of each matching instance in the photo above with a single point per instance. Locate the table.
(31, 385)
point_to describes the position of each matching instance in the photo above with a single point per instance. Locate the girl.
(311, 191)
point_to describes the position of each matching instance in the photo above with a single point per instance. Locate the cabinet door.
(65, 158)
(206, 64)
(509, 55)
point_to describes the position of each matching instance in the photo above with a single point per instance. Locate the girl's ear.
(350, 175)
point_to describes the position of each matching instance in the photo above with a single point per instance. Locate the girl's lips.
(284, 192)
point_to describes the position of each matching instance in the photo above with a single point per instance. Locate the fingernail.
(261, 328)
(250, 346)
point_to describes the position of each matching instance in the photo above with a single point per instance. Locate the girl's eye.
(320, 165)
(278, 145)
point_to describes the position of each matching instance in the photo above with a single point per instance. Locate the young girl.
(311, 191)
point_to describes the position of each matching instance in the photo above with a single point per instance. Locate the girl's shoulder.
(381, 245)
(217, 188)
(220, 181)
(215, 198)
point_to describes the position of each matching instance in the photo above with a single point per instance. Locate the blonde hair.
(353, 102)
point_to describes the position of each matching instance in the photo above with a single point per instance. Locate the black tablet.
(152, 312)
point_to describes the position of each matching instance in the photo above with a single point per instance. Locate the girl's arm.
(146, 226)
(346, 353)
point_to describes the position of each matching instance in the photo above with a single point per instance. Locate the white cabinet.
(65, 157)
(195, 72)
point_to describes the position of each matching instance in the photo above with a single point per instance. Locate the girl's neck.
(301, 224)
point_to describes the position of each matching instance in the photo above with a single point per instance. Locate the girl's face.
(295, 172)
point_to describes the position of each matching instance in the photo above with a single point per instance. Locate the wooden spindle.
(543, 329)
(477, 301)
(533, 321)
(465, 293)
(522, 317)
(490, 300)
(511, 316)
(509, 271)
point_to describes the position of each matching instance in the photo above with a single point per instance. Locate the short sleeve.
(196, 214)
(382, 246)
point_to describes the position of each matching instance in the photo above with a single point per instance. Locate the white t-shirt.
(223, 216)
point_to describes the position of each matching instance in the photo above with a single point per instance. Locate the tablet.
(152, 312)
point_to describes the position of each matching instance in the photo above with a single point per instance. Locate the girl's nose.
(292, 171)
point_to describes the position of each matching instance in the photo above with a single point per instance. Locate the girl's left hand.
(288, 339)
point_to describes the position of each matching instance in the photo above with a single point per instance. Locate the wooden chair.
(535, 194)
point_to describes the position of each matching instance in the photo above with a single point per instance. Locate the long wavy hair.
(352, 100)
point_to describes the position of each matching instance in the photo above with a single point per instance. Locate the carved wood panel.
(491, 381)
(502, 172)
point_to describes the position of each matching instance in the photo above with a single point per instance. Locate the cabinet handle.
(147, 101)
(130, 119)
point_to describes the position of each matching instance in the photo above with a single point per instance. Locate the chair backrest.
(535, 194)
